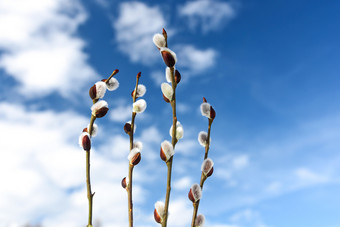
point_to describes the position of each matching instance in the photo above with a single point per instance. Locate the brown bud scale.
(168, 59)
(166, 99)
(191, 196)
(212, 113)
(124, 182)
(102, 112)
(86, 143)
(158, 218)
(93, 92)
(127, 128)
(136, 159)
(162, 155)
(210, 172)
(177, 76)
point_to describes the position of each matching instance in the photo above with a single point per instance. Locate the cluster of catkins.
(167, 149)
(138, 106)
(173, 77)
(98, 109)
(207, 168)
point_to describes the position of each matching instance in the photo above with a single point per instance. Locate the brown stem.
(174, 141)
(208, 139)
(203, 177)
(129, 191)
(112, 74)
(88, 179)
(129, 187)
(88, 183)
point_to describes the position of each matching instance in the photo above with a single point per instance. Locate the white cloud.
(180, 212)
(158, 77)
(189, 147)
(210, 15)
(274, 187)
(224, 225)
(103, 3)
(134, 29)
(247, 217)
(182, 107)
(32, 140)
(122, 113)
(195, 60)
(151, 135)
(183, 183)
(42, 158)
(39, 46)
(307, 176)
(240, 162)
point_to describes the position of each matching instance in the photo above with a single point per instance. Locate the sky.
(270, 69)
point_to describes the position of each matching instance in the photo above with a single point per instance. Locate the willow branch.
(129, 187)
(88, 170)
(203, 176)
(174, 141)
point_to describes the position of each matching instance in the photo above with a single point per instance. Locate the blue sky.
(269, 68)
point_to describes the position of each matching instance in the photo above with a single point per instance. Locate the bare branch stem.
(88, 178)
(203, 177)
(129, 186)
(174, 141)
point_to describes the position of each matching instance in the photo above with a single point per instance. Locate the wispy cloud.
(209, 15)
(134, 28)
(270, 168)
(247, 217)
(40, 48)
(122, 113)
(195, 61)
(42, 157)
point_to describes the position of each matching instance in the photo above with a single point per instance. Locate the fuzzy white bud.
(100, 89)
(159, 211)
(203, 138)
(168, 74)
(199, 220)
(205, 109)
(167, 91)
(138, 145)
(141, 90)
(112, 84)
(94, 129)
(207, 166)
(195, 193)
(179, 131)
(167, 150)
(139, 106)
(98, 108)
(159, 40)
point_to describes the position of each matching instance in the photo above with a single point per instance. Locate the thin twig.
(88, 178)
(203, 176)
(129, 187)
(174, 141)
